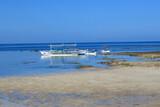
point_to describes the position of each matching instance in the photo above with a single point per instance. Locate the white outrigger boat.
(65, 53)
(57, 53)
(52, 53)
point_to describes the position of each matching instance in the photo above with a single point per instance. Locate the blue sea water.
(25, 59)
(113, 46)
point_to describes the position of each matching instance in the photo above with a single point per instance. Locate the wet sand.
(115, 87)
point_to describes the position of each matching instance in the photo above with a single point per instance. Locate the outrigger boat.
(66, 52)
(57, 53)
(52, 53)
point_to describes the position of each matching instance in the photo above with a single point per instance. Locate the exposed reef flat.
(141, 54)
(125, 63)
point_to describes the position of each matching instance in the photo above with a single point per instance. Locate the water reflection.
(70, 62)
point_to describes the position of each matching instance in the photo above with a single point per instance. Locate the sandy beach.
(114, 87)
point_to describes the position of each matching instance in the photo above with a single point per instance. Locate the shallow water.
(18, 63)
(25, 59)
(15, 63)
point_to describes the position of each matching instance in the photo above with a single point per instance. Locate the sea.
(25, 59)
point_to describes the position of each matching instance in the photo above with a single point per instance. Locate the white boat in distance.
(65, 53)
(104, 52)
(57, 53)
(53, 53)
(73, 53)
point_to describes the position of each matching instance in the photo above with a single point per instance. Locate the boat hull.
(49, 54)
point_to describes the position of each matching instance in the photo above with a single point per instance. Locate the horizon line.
(81, 42)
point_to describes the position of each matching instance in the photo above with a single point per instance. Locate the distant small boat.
(104, 52)
(91, 53)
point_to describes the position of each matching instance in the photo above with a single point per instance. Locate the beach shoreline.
(100, 84)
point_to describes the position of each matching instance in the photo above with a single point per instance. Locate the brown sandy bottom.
(117, 87)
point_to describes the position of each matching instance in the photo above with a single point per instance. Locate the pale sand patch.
(111, 80)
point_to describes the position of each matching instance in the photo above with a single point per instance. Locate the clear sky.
(79, 20)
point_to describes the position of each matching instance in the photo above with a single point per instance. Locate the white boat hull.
(81, 52)
(49, 54)
(88, 54)
(91, 54)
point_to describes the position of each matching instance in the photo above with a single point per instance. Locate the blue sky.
(79, 20)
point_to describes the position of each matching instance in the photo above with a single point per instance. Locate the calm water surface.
(25, 59)
(31, 63)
